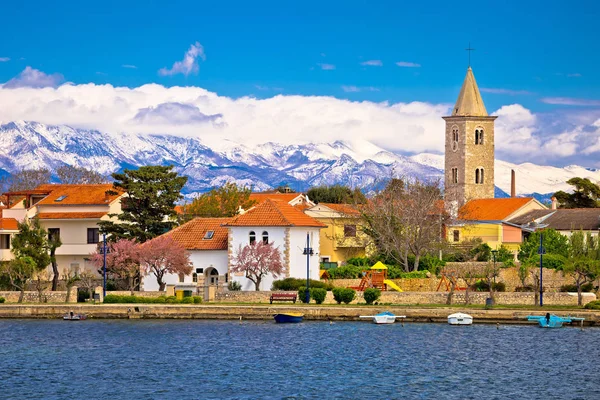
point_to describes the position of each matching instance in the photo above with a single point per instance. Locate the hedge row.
(115, 299)
(293, 284)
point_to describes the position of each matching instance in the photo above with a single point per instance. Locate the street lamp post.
(308, 251)
(104, 266)
(494, 253)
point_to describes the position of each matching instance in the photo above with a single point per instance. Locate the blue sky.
(541, 55)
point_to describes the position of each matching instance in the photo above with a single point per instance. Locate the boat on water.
(384, 317)
(553, 321)
(288, 317)
(460, 319)
(71, 316)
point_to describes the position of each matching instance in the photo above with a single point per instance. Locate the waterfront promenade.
(265, 312)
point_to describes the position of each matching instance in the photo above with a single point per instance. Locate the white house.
(277, 222)
(206, 241)
(71, 212)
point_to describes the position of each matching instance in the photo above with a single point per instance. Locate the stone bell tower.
(469, 155)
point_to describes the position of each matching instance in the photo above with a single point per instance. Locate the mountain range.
(356, 163)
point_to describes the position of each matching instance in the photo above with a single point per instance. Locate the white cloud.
(408, 64)
(326, 67)
(33, 78)
(4, 59)
(129, 66)
(509, 92)
(355, 89)
(372, 63)
(570, 101)
(411, 127)
(189, 64)
(574, 75)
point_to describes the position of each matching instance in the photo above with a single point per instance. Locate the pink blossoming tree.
(257, 261)
(122, 261)
(163, 255)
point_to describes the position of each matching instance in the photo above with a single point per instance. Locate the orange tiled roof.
(342, 208)
(8, 224)
(191, 234)
(71, 215)
(491, 209)
(79, 194)
(260, 197)
(274, 213)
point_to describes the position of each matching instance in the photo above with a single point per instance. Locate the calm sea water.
(119, 359)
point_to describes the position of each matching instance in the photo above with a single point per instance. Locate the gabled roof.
(259, 197)
(344, 209)
(274, 213)
(493, 209)
(71, 215)
(8, 224)
(563, 219)
(78, 194)
(469, 102)
(191, 235)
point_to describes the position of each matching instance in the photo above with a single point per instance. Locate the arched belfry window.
(455, 138)
(479, 178)
(252, 237)
(479, 136)
(454, 178)
(265, 237)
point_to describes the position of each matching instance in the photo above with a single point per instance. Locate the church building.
(469, 176)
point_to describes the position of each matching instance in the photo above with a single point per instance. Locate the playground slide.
(392, 285)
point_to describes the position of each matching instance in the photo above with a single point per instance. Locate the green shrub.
(293, 284)
(593, 305)
(160, 300)
(2, 299)
(187, 300)
(550, 261)
(343, 295)
(360, 261)
(171, 300)
(82, 295)
(482, 286)
(483, 252)
(234, 286)
(318, 294)
(371, 295)
(302, 295)
(197, 300)
(588, 287)
(347, 272)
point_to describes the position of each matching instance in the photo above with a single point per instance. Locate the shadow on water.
(123, 359)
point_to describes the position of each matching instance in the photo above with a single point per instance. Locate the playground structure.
(449, 279)
(376, 277)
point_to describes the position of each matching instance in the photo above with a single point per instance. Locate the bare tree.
(26, 179)
(75, 175)
(87, 281)
(406, 219)
(70, 279)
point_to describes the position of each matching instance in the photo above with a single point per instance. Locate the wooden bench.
(283, 297)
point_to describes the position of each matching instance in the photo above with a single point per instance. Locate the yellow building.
(343, 238)
(489, 219)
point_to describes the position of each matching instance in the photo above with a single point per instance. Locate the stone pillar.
(99, 290)
(170, 290)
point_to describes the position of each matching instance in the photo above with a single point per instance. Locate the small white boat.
(385, 317)
(460, 319)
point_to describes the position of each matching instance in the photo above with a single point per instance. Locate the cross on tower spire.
(469, 49)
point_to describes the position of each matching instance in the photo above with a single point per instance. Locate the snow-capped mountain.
(25, 145)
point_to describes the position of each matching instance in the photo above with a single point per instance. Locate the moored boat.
(460, 319)
(288, 317)
(553, 321)
(384, 317)
(71, 316)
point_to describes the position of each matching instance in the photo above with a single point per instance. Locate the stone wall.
(553, 280)
(393, 297)
(151, 294)
(33, 297)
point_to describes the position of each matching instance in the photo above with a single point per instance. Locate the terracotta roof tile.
(72, 215)
(191, 234)
(8, 224)
(491, 209)
(260, 197)
(274, 213)
(78, 194)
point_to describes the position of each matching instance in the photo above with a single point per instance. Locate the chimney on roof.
(513, 186)
(554, 203)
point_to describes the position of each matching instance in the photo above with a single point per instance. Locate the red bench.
(283, 297)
